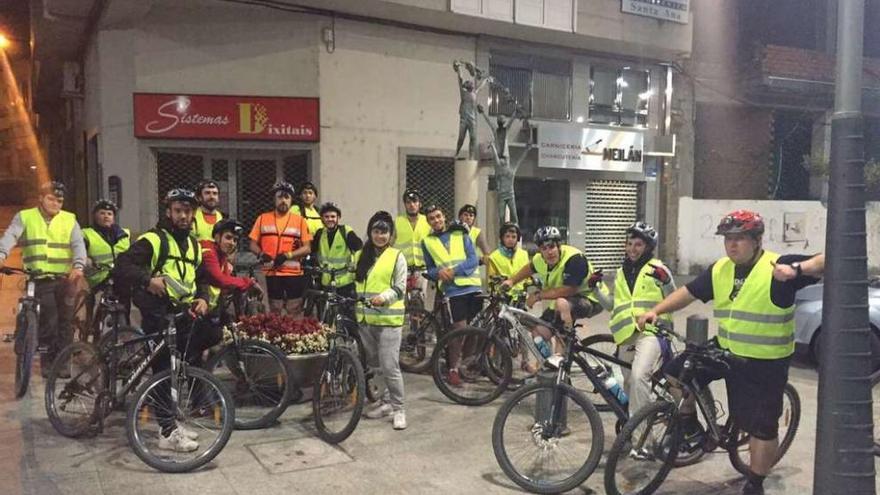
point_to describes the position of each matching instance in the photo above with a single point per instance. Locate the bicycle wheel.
(25, 348)
(420, 334)
(542, 453)
(72, 404)
(644, 452)
(738, 449)
(604, 343)
(255, 374)
(372, 390)
(338, 397)
(484, 367)
(129, 357)
(687, 456)
(204, 406)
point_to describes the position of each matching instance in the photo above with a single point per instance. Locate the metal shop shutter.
(611, 207)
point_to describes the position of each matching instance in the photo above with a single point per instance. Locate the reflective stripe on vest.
(379, 279)
(201, 228)
(102, 254)
(751, 325)
(179, 271)
(629, 306)
(455, 256)
(507, 267)
(273, 242)
(409, 240)
(336, 256)
(552, 279)
(46, 248)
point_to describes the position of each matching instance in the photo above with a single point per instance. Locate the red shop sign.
(226, 117)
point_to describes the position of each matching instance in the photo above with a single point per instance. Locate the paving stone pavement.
(446, 449)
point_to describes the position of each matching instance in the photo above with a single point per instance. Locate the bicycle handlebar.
(31, 274)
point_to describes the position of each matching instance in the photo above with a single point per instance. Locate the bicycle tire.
(736, 455)
(225, 416)
(341, 376)
(417, 339)
(599, 341)
(240, 382)
(622, 446)
(689, 458)
(593, 422)
(372, 390)
(25, 348)
(497, 379)
(88, 360)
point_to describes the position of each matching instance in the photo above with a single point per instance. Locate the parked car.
(808, 320)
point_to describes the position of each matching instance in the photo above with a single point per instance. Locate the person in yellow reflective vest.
(308, 196)
(51, 242)
(509, 258)
(380, 277)
(565, 274)
(105, 240)
(467, 215)
(640, 283)
(755, 315)
(411, 228)
(207, 214)
(161, 268)
(335, 245)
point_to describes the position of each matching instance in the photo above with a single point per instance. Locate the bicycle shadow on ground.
(501, 480)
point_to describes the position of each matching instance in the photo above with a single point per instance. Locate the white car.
(808, 320)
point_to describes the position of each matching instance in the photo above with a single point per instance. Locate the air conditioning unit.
(72, 81)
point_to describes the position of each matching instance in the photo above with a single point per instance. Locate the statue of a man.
(505, 173)
(467, 109)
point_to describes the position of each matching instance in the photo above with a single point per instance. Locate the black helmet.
(308, 185)
(509, 227)
(329, 206)
(227, 224)
(180, 194)
(105, 204)
(412, 194)
(548, 233)
(468, 209)
(205, 184)
(284, 187)
(644, 232)
(53, 187)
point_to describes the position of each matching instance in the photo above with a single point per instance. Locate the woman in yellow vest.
(641, 282)
(105, 240)
(509, 258)
(380, 277)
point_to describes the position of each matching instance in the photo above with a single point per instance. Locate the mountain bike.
(656, 433)
(422, 328)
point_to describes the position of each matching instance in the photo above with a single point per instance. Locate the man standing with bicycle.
(755, 316)
(105, 240)
(335, 245)
(52, 243)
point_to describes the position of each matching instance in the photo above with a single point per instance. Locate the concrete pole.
(467, 186)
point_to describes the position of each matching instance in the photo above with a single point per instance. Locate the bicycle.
(422, 328)
(657, 449)
(187, 396)
(100, 320)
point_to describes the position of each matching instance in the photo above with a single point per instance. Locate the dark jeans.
(56, 315)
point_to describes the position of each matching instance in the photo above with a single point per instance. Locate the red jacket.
(219, 271)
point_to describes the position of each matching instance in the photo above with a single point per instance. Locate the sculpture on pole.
(505, 172)
(467, 109)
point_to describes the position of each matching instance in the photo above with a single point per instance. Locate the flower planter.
(304, 369)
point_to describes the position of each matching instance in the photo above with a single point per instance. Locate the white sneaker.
(177, 442)
(187, 432)
(380, 411)
(399, 421)
(553, 361)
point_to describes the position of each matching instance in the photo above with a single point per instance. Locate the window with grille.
(611, 207)
(255, 180)
(619, 96)
(435, 179)
(296, 169)
(541, 85)
(175, 170)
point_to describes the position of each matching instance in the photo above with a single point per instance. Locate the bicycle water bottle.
(542, 346)
(614, 387)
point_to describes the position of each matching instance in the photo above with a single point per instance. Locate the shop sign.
(226, 117)
(665, 10)
(590, 148)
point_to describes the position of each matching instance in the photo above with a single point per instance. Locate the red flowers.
(274, 325)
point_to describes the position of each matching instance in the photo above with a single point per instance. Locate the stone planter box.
(304, 370)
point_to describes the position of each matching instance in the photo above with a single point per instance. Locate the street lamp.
(4, 42)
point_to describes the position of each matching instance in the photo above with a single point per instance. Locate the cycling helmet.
(644, 232)
(205, 184)
(548, 233)
(308, 185)
(284, 187)
(53, 187)
(328, 206)
(227, 224)
(510, 227)
(468, 209)
(741, 222)
(412, 194)
(105, 204)
(180, 194)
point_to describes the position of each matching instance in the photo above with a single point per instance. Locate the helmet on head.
(381, 220)
(741, 222)
(548, 233)
(105, 204)
(227, 225)
(644, 232)
(328, 206)
(206, 184)
(180, 194)
(285, 187)
(412, 194)
(53, 187)
(509, 227)
(468, 209)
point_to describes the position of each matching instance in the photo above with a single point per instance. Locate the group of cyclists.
(187, 259)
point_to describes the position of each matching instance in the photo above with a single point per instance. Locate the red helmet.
(741, 222)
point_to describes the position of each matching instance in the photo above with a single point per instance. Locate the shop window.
(255, 178)
(175, 170)
(296, 169)
(541, 85)
(435, 179)
(619, 96)
(541, 202)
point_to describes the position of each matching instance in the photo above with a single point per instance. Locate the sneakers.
(399, 421)
(640, 455)
(453, 378)
(187, 432)
(553, 362)
(380, 411)
(177, 442)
